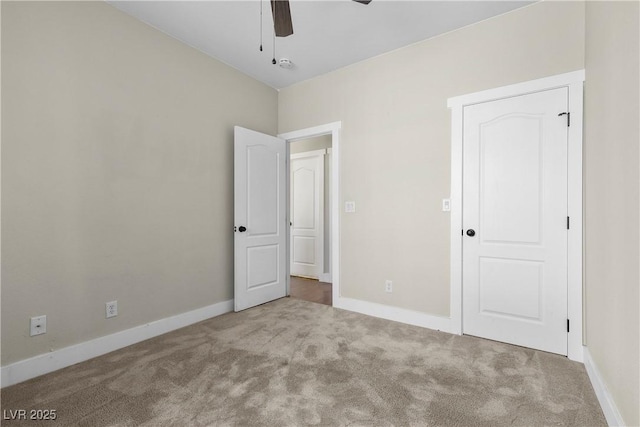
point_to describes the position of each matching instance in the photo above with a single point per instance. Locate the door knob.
(242, 229)
(470, 232)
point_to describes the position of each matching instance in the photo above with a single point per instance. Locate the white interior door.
(515, 200)
(260, 218)
(306, 187)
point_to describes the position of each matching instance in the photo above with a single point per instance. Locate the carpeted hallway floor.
(294, 363)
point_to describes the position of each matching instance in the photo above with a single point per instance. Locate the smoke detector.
(285, 63)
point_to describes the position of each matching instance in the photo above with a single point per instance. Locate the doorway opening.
(310, 219)
(311, 290)
(312, 209)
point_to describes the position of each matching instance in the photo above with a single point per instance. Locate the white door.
(260, 218)
(515, 201)
(306, 187)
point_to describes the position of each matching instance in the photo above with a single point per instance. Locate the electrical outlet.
(112, 309)
(388, 286)
(38, 325)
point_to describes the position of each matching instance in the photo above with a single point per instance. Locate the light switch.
(446, 205)
(350, 207)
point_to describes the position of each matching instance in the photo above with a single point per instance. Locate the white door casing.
(260, 246)
(306, 189)
(515, 199)
(328, 244)
(574, 82)
(332, 129)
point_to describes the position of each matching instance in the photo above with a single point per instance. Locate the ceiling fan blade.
(362, 1)
(281, 18)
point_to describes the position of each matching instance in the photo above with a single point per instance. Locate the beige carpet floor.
(295, 363)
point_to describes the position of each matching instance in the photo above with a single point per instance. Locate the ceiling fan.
(282, 16)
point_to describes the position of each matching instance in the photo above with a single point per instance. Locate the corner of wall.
(605, 399)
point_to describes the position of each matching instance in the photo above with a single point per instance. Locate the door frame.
(574, 81)
(320, 208)
(332, 129)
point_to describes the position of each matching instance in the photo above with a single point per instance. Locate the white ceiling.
(327, 34)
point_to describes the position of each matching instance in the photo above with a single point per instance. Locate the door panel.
(303, 194)
(263, 260)
(260, 207)
(262, 190)
(515, 199)
(304, 250)
(510, 208)
(500, 277)
(307, 214)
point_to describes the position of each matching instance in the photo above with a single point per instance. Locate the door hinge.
(568, 114)
(567, 325)
(568, 223)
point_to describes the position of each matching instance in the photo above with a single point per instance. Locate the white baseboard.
(325, 278)
(48, 362)
(607, 403)
(401, 315)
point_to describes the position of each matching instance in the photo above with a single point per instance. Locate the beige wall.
(117, 183)
(395, 141)
(612, 186)
(117, 167)
(0, 181)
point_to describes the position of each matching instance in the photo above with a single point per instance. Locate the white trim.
(455, 296)
(334, 130)
(311, 132)
(326, 270)
(545, 83)
(607, 403)
(396, 314)
(575, 233)
(325, 278)
(574, 82)
(48, 362)
(304, 154)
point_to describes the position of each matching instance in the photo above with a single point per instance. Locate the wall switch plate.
(112, 309)
(446, 205)
(388, 286)
(350, 207)
(38, 325)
